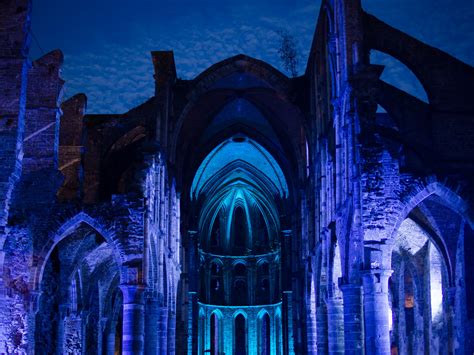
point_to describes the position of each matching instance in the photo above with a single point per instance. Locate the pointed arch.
(66, 229)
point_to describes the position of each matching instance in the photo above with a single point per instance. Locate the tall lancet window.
(216, 233)
(265, 335)
(240, 335)
(239, 228)
(214, 333)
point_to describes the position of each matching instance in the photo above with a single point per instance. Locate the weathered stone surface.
(368, 248)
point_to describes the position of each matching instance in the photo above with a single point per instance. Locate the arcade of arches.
(242, 211)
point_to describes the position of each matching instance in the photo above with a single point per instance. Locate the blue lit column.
(151, 325)
(163, 330)
(376, 311)
(353, 335)
(193, 323)
(288, 304)
(377, 263)
(111, 338)
(335, 311)
(192, 280)
(133, 319)
(322, 329)
(171, 331)
(63, 311)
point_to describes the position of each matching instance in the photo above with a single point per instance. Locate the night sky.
(107, 43)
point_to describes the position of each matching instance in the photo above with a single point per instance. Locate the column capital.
(376, 280)
(377, 254)
(350, 287)
(133, 293)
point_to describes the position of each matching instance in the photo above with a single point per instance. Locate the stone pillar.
(288, 314)
(63, 312)
(311, 332)
(335, 310)
(321, 330)
(451, 320)
(34, 301)
(353, 333)
(133, 319)
(111, 338)
(193, 323)
(376, 311)
(163, 330)
(152, 311)
(171, 333)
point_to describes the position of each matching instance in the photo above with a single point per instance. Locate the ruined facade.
(243, 211)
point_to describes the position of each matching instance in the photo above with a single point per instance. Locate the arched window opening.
(409, 307)
(239, 228)
(240, 294)
(265, 335)
(336, 270)
(215, 239)
(263, 291)
(394, 69)
(73, 294)
(214, 333)
(240, 335)
(436, 283)
(216, 284)
(240, 270)
(262, 242)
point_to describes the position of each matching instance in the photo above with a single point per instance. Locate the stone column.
(335, 310)
(163, 330)
(133, 319)
(111, 337)
(152, 311)
(63, 311)
(171, 333)
(193, 324)
(101, 339)
(376, 311)
(321, 330)
(353, 334)
(31, 319)
(288, 313)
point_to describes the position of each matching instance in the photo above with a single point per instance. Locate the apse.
(238, 189)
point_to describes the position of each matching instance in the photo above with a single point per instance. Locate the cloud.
(117, 77)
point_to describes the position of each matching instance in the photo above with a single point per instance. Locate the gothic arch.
(415, 196)
(62, 232)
